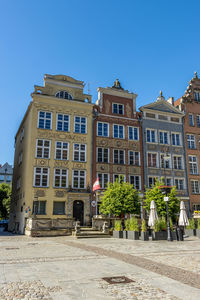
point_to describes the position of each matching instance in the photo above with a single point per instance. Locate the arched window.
(63, 95)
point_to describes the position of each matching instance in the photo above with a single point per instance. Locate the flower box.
(144, 236)
(159, 235)
(118, 234)
(133, 235)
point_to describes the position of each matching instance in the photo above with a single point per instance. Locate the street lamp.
(166, 190)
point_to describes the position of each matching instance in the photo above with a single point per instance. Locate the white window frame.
(134, 164)
(190, 140)
(66, 95)
(102, 129)
(151, 159)
(118, 108)
(180, 138)
(198, 120)
(20, 157)
(62, 149)
(103, 150)
(60, 180)
(118, 132)
(124, 177)
(156, 138)
(182, 162)
(197, 96)
(192, 163)
(79, 152)
(62, 121)
(178, 178)
(135, 180)
(103, 185)
(132, 128)
(191, 119)
(169, 159)
(44, 119)
(154, 177)
(194, 191)
(41, 174)
(171, 180)
(79, 179)
(80, 124)
(119, 156)
(43, 147)
(163, 132)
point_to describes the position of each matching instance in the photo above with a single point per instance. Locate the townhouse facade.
(6, 173)
(53, 151)
(117, 136)
(189, 103)
(163, 146)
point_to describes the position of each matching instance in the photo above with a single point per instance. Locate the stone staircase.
(89, 232)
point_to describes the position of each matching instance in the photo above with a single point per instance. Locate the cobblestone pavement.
(66, 268)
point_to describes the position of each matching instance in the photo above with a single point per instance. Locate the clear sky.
(150, 45)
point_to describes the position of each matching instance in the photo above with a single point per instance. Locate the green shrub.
(156, 226)
(163, 224)
(144, 226)
(133, 225)
(198, 223)
(171, 224)
(191, 224)
(127, 224)
(118, 225)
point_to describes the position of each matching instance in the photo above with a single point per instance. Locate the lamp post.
(169, 233)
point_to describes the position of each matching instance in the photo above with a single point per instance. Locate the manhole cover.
(117, 279)
(12, 248)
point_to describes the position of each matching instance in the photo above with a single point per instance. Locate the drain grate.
(117, 279)
(12, 248)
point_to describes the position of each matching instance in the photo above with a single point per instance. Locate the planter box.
(198, 233)
(144, 236)
(190, 232)
(133, 235)
(118, 234)
(160, 235)
(174, 236)
(125, 234)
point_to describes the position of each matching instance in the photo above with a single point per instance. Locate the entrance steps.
(89, 232)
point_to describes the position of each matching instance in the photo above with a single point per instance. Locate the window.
(118, 157)
(22, 134)
(193, 164)
(133, 133)
(152, 181)
(135, 181)
(18, 185)
(39, 207)
(63, 95)
(195, 186)
(196, 207)
(60, 178)
(152, 160)
(168, 181)
(103, 155)
(1, 177)
(176, 141)
(44, 120)
(43, 149)
(163, 137)
(197, 96)
(198, 120)
(20, 157)
(80, 125)
(62, 150)
(191, 141)
(165, 161)
(78, 179)
(118, 108)
(120, 177)
(102, 129)
(41, 177)
(191, 120)
(79, 152)
(63, 123)
(177, 162)
(134, 158)
(118, 131)
(103, 179)
(179, 183)
(151, 136)
(8, 178)
(58, 208)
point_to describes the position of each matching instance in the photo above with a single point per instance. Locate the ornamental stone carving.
(79, 165)
(42, 162)
(128, 110)
(153, 172)
(104, 168)
(39, 193)
(134, 170)
(119, 169)
(61, 136)
(59, 194)
(61, 163)
(151, 147)
(107, 107)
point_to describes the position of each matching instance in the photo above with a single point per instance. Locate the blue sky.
(149, 45)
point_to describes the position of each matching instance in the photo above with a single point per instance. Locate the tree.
(155, 194)
(5, 193)
(120, 198)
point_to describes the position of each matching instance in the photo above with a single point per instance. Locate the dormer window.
(118, 108)
(63, 95)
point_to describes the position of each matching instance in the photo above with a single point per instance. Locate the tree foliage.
(5, 194)
(155, 194)
(120, 198)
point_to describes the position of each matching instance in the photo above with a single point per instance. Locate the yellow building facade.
(53, 157)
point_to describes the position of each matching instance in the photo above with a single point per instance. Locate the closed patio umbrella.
(183, 219)
(153, 214)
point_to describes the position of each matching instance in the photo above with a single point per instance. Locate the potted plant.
(144, 233)
(159, 232)
(133, 232)
(198, 228)
(117, 232)
(125, 232)
(190, 229)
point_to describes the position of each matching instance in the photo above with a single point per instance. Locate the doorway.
(78, 211)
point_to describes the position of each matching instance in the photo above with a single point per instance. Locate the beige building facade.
(53, 152)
